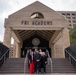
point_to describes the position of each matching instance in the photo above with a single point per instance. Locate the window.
(63, 14)
(68, 14)
(69, 24)
(73, 17)
(37, 15)
(74, 24)
(73, 14)
(70, 21)
(74, 21)
(68, 17)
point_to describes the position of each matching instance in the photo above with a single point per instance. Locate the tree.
(73, 35)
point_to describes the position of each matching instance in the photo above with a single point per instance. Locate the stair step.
(16, 65)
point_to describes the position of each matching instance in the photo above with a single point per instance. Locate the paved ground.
(37, 74)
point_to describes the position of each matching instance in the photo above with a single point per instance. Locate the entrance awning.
(25, 34)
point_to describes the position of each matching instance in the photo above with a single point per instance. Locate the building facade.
(70, 17)
(37, 26)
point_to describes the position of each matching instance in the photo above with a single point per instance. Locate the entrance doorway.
(35, 42)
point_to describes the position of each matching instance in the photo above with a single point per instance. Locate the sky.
(8, 7)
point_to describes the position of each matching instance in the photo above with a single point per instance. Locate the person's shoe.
(39, 73)
(35, 72)
(44, 72)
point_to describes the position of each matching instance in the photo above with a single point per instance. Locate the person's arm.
(35, 57)
(39, 57)
(45, 59)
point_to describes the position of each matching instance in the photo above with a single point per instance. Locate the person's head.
(43, 54)
(30, 50)
(36, 50)
(40, 50)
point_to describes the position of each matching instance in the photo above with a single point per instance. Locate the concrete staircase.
(13, 65)
(62, 65)
(48, 67)
(16, 66)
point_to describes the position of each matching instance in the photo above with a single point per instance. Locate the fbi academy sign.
(36, 22)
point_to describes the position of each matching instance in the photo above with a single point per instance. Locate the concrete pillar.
(14, 50)
(18, 50)
(52, 51)
(57, 48)
(7, 37)
(65, 38)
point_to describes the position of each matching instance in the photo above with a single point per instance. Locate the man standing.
(37, 63)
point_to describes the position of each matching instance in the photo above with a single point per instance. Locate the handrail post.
(4, 59)
(51, 63)
(70, 59)
(24, 66)
(25, 62)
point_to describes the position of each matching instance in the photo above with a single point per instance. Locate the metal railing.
(71, 57)
(25, 61)
(4, 57)
(50, 62)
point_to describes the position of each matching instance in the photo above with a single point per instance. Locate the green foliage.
(73, 35)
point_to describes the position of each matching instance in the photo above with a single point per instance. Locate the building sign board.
(36, 22)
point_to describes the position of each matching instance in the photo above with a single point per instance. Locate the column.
(65, 38)
(52, 51)
(57, 48)
(18, 50)
(7, 37)
(14, 50)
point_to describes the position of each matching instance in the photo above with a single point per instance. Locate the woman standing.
(31, 62)
(43, 61)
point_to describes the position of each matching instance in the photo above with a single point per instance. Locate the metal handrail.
(51, 62)
(24, 65)
(70, 55)
(25, 62)
(4, 54)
